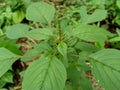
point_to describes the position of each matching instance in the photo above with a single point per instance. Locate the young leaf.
(40, 12)
(39, 34)
(47, 73)
(106, 68)
(18, 16)
(90, 33)
(62, 48)
(7, 58)
(17, 31)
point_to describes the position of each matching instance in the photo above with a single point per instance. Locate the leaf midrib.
(46, 73)
(106, 65)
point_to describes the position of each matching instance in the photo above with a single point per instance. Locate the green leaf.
(106, 68)
(8, 77)
(86, 47)
(1, 32)
(98, 2)
(72, 50)
(68, 87)
(2, 83)
(18, 16)
(17, 31)
(10, 45)
(21, 30)
(90, 33)
(7, 58)
(3, 89)
(85, 81)
(40, 12)
(47, 73)
(118, 3)
(1, 19)
(115, 39)
(39, 34)
(77, 78)
(29, 2)
(38, 49)
(97, 15)
(118, 31)
(72, 42)
(62, 48)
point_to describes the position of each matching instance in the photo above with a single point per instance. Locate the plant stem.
(60, 31)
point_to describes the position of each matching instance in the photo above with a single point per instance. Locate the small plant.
(62, 50)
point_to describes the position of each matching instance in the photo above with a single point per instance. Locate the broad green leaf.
(47, 73)
(36, 52)
(39, 34)
(97, 15)
(40, 12)
(17, 31)
(8, 77)
(106, 68)
(7, 58)
(118, 3)
(86, 47)
(21, 30)
(90, 33)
